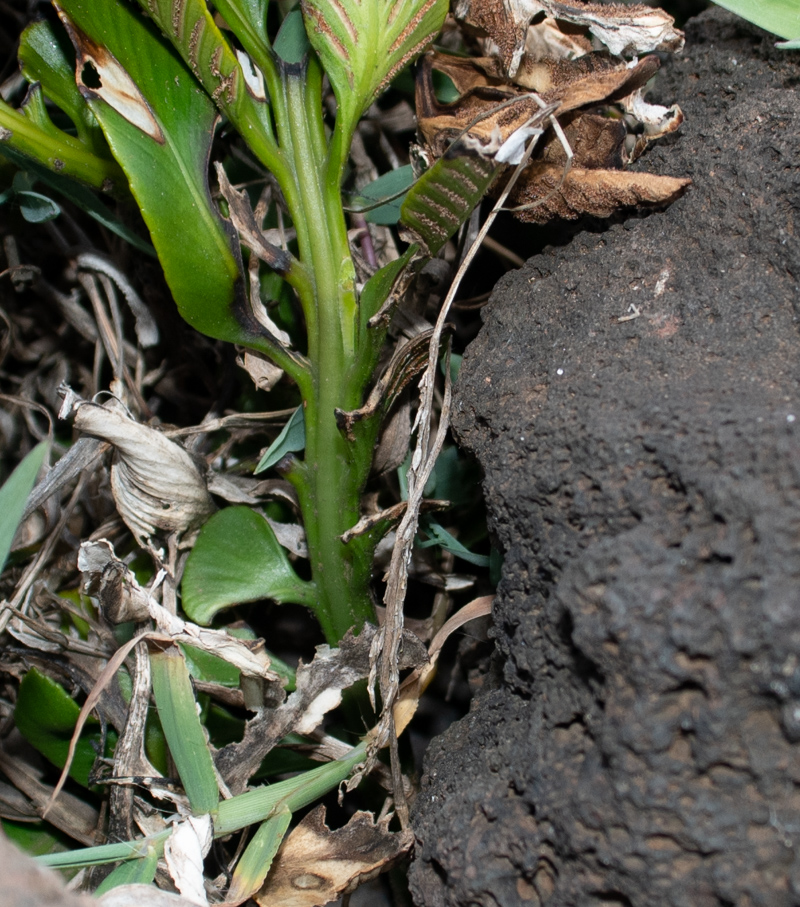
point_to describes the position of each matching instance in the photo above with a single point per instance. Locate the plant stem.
(331, 478)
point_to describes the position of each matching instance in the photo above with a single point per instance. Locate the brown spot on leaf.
(100, 76)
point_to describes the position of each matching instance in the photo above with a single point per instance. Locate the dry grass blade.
(385, 647)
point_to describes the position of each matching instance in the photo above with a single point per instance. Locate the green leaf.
(35, 838)
(186, 738)
(782, 17)
(378, 288)
(291, 43)
(257, 858)
(79, 195)
(37, 208)
(160, 128)
(247, 19)
(235, 559)
(789, 45)
(363, 45)
(381, 199)
(440, 536)
(210, 668)
(21, 137)
(132, 872)
(46, 57)
(14, 495)
(45, 715)
(291, 439)
(445, 196)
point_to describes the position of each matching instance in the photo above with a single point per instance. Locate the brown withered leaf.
(594, 96)
(597, 142)
(596, 192)
(624, 30)
(487, 112)
(316, 865)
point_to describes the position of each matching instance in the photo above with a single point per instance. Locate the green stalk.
(231, 815)
(330, 480)
(64, 155)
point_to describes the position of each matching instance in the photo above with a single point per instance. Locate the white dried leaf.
(291, 535)
(512, 150)
(625, 31)
(318, 709)
(184, 851)
(546, 41)
(657, 120)
(157, 486)
(141, 896)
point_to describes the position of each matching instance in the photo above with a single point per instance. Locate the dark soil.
(640, 742)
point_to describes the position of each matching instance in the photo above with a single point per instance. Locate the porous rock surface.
(643, 476)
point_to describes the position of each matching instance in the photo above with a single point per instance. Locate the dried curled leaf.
(122, 599)
(319, 687)
(604, 124)
(157, 486)
(598, 193)
(316, 865)
(624, 30)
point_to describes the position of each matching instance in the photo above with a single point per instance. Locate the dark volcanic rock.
(643, 476)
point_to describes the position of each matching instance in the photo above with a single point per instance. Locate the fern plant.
(143, 121)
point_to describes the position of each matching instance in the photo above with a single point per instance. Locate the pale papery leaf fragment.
(184, 851)
(140, 896)
(157, 486)
(122, 599)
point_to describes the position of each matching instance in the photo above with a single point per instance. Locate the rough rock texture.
(643, 476)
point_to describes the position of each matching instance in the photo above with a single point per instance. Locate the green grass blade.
(131, 872)
(232, 815)
(782, 17)
(293, 794)
(104, 854)
(257, 859)
(14, 494)
(186, 737)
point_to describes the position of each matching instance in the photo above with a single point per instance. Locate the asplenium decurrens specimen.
(139, 77)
